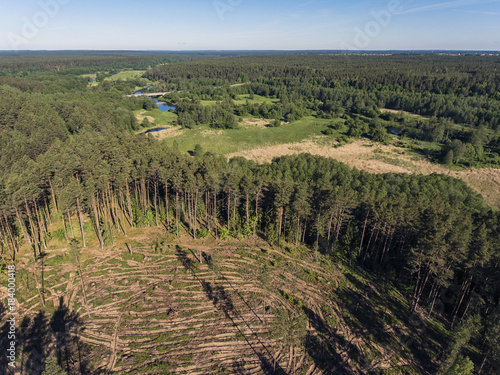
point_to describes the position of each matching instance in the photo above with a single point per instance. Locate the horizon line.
(253, 50)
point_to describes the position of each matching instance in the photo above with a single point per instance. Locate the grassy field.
(157, 117)
(127, 74)
(123, 75)
(247, 137)
(261, 143)
(242, 99)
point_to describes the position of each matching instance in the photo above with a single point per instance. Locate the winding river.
(161, 105)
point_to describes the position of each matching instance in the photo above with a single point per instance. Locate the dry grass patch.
(386, 110)
(485, 181)
(378, 158)
(255, 122)
(141, 118)
(168, 132)
(358, 154)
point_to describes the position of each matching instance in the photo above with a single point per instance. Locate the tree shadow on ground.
(325, 347)
(34, 338)
(372, 311)
(66, 326)
(4, 343)
(186, 262)
(223, 302)
(42, 336)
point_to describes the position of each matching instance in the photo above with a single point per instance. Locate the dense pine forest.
(460, 95)
(70, 155)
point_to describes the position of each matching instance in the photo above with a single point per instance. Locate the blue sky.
(250, 24)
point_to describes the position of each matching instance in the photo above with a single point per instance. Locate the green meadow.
(127, 74)
(242, 99)
(246, 137)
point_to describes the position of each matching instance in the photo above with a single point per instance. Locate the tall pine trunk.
(129, 204)
(80, 220)
(97, 223)
(53, 196)
(70, 225)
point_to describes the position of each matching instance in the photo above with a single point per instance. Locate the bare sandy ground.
(255, 122)
(258, 123)
(386, 110)
(141, 118)
(376, 158)
(168, 132)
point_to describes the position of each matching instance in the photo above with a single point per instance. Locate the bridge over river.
(154, 94)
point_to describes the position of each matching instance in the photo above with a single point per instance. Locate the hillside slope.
(156, 305)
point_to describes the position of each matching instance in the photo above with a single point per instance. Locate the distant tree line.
(460, 95)
(71, 157)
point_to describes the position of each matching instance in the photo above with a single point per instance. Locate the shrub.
(59, 235)
(202, 233)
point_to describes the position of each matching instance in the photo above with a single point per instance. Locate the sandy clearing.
(255, 122)
(168, 132)
(141, 118)
(377, 158)
(358, 154)
(485, 181)
(386, 110)
(258, 123)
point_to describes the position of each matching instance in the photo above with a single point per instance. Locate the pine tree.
(52, 367)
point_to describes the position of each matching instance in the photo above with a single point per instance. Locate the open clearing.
(160, 309)
(127, 74)
(243, 99)
(248, 137)
(256, 141)
(141, 116)
(376, 158)
(156, 117)
(168, 132)
(386, 110)
(255, 122)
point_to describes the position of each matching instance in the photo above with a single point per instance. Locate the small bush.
(224, 234)
(276, 123)
(202, 233)
(59, 235)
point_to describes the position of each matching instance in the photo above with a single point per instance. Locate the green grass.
(127, 74)
(87, 75)
(56, 260)
(160, 117)
(234, 140)
(242, 99)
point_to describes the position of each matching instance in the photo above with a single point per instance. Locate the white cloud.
(481, 12)
(447, 5)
